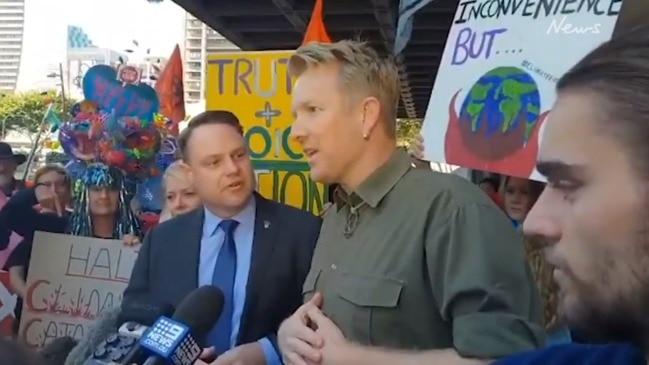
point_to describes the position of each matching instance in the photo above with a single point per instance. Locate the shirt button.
(333, 267)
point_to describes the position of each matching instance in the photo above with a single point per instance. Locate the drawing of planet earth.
(499, 113)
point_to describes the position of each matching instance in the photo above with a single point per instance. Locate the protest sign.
(256, 87)
(71, 280)
(497, 77)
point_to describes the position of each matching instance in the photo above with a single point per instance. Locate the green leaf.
(407, 131)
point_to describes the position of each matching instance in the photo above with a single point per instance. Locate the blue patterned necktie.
(223, 278)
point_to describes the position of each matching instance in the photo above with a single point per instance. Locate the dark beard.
(616, 323)
(625, 318)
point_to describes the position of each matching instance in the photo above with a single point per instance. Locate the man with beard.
(594, 212)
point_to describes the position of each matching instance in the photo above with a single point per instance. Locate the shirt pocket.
(370, 306)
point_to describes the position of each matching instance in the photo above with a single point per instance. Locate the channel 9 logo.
(163, 337)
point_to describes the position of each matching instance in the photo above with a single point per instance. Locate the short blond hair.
(361, 69)
(175, 170)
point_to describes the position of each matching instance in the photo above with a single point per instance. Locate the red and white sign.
(129, 74)
(7, 305)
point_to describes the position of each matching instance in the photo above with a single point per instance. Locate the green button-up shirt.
(426, 262)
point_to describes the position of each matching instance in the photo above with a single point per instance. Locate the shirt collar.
(246, 218)
(379, 184)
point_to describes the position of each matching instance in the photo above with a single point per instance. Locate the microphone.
(180, 340)
(104, 325)
(118, 345)
(56, 352)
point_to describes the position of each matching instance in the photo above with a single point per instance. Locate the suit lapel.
(266, 227)
(189, 255)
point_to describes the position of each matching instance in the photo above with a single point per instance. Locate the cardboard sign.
(496, 81)
(71, 280)
(256, 87)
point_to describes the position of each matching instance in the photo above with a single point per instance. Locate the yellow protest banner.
(256, 87)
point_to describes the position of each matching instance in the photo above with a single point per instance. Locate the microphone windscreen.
(143, 311)
(200, 311)
(58, 350)
(104, 325)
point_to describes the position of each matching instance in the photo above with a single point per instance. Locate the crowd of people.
(407, 266)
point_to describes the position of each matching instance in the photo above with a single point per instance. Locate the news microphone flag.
(171, 341)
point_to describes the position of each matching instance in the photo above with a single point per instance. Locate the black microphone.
(180, 340)
(143, 310)
(121, 332)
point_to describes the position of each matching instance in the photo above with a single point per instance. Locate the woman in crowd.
(53, 180)
(180, 196)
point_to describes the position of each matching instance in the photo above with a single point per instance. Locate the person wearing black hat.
(9, 162)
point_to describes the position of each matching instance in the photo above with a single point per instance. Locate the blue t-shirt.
(580, 354)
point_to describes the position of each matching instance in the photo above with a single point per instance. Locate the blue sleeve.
(270, 352)
(578, 354)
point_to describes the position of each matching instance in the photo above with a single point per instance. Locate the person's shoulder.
(444, 189)
(290, 213)
(172, 225)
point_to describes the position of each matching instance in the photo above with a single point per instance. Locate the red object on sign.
(7, 305)
(129, 74)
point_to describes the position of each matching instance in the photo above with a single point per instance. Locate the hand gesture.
(335, 348)
(48, 199)
(298, 343)
(130, 240)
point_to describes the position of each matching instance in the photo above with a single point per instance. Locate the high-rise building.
(81, 54)
(200, 41)
(12, 16)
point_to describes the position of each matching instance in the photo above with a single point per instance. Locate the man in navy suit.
(256, 250)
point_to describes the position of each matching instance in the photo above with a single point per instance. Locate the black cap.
(7, 153)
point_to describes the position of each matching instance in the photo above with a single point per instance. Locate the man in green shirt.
(412, 266)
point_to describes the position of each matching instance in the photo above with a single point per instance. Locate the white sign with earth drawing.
(497, 77)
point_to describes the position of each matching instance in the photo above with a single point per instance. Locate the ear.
(371, 115)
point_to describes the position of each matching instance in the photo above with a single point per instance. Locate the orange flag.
(170, 90)
(316, 31)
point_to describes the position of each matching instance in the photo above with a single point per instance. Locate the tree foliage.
(23, 112)
(407, 130)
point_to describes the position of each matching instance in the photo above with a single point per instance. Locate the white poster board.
(71, 280)
(496, 80)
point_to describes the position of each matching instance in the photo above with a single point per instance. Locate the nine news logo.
(164, 336)
(171, 340)
(187, 353)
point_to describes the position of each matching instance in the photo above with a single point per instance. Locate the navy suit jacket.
(166, 269)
